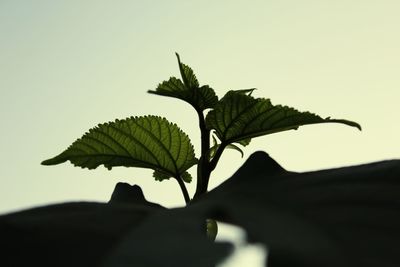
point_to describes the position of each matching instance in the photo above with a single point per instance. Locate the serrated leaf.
(148, 142)
(244, 142)
(200, 97)
(187, 74)
(238, 117)
(160, 176)
(186, 177)
(246, 91)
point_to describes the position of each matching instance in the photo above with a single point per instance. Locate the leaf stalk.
(183, 189)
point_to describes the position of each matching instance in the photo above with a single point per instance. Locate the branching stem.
(203, 172)
(217, 156)
(205, 165)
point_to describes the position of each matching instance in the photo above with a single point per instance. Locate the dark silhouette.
(340, 217)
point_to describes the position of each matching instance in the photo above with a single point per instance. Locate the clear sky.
(66, 66)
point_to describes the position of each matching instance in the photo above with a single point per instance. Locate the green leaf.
(200, 97)
(187, 74)
(186, 177)
(245, 91)
(160, 176)
(213, 148)
(235, 147)
(244, 142)
(216, 145)
(147, 142)
(238, 117)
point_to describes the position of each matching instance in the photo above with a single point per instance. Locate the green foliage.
(238, 117)
(148, 142)
(200, 98)
(305, 219)
(153, 142)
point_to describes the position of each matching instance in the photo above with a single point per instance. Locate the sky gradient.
(66, 66)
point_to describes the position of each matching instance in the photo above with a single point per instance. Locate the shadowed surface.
(340, 217)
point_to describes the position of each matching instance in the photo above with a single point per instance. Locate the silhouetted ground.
(339, 217)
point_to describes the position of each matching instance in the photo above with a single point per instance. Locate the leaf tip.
(346, 122)
(45, 162)
(54, 161)
(355, 124)
(352, 124)
(178, 57)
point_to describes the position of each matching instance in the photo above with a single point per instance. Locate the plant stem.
(203, 172)
(205, 166)
(203, 176)
(183, 189)
(205, 136)
(217, 156)
(207, 171)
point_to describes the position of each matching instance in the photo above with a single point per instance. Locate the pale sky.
(66, 66)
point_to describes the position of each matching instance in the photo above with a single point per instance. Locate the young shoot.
(155, 143)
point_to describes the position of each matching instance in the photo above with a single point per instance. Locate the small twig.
(183, 189)
(217, 156)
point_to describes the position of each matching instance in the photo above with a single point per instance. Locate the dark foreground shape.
(340, 217)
